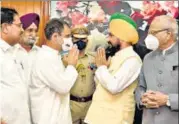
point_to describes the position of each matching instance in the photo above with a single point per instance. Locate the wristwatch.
(168, 101)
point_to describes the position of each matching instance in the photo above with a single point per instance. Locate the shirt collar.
(4, 45)
(124, 50)
(165, 51)
(18, 46)
(50, 49)
(35, 47)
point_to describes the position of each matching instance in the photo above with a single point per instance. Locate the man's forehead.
(67, 31)
(161, 22)
(66, 28)
(32, 26)
(156, 25)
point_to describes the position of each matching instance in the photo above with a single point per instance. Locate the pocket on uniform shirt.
(174, 72)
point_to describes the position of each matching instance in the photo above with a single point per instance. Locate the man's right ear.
(5, 28)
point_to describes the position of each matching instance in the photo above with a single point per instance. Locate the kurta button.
(160, 72)
(157, 113)
(162, 59)
(159, 85)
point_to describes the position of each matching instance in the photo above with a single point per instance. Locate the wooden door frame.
(44, 15)
(45, 9)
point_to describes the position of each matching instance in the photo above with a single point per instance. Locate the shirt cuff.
(101, 68)
(168, 101)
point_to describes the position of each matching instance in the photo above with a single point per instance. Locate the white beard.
(31, 41)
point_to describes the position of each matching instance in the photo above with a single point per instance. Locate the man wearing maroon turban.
(26, 50)
(30, 23)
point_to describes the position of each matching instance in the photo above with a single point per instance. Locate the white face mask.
(67, 44)
(151, 42)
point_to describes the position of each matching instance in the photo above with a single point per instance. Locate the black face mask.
(80, 44)
(111, 50)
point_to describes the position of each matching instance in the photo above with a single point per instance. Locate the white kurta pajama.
(49, 88)
(13, 90)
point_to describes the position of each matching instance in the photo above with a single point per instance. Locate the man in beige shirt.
(82, 91)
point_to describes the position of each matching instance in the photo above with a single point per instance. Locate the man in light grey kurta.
(157, 91)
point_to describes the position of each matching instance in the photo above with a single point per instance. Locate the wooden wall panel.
(28, 6)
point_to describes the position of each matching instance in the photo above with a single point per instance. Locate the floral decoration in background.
(96, 14)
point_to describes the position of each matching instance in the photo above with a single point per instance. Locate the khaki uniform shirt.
(84, 85)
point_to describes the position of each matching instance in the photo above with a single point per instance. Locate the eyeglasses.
(155, 32)
(18, 25)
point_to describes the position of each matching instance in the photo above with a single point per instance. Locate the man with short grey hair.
(50, 80)
(157, 91)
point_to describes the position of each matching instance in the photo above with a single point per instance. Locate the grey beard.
(30, 42)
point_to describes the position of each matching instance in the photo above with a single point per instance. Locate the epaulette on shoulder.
(91, 54)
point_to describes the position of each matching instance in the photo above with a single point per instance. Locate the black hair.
(53, 26)
(7, 15)
(66, 23)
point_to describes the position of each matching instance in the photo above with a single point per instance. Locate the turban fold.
(30, 18)
(124, 28)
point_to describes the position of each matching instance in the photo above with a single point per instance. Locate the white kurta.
(14, 95)
(26, 58)
(49, 88)
(123, 78)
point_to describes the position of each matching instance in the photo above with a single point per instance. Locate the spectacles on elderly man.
(157, 31)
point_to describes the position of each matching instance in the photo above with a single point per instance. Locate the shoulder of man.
(91, 54)
(150, 56)
(42, 54)
(18, 46)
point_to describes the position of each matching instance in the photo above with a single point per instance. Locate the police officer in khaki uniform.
(83, 89)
